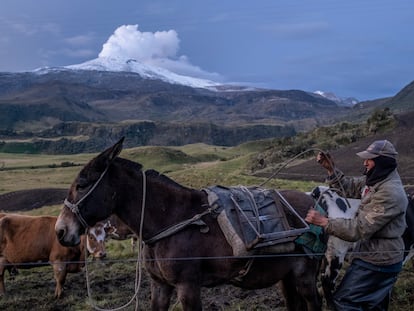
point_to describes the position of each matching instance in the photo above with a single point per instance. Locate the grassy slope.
(195, 165)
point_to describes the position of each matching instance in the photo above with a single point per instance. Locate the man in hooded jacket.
(377, 227)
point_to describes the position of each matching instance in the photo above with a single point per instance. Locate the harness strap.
(177, 227)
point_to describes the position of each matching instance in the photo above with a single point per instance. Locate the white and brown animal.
(96, 238)
(29, 241)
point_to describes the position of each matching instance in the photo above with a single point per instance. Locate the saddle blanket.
(255, 219)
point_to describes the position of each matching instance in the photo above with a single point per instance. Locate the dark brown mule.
(188, 259)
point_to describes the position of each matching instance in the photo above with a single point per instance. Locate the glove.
(326, 161)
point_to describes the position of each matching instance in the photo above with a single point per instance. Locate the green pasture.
(196, 165)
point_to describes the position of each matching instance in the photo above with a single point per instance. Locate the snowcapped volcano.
(144, 70)
(349, 101)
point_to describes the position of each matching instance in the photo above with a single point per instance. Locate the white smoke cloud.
(158, 48)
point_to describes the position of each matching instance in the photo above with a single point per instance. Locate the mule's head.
(90, 198)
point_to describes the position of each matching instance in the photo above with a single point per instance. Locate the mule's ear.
(116, 149)
(107, 156)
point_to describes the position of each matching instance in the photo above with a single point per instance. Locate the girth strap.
(195, 220)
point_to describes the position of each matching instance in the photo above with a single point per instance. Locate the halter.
(74, 207)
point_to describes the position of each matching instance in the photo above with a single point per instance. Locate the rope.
(297, 156)
(140, 259)
(253, 203)
(287, 163)
(342, 190)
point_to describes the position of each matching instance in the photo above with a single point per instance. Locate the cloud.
(158, 48)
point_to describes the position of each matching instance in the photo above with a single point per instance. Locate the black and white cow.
(337, 249)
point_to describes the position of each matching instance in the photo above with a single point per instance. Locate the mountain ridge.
(84, 95)
(44, 101)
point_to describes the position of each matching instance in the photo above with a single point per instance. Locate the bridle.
(74, 207)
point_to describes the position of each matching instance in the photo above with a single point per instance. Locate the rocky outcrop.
(76, 137)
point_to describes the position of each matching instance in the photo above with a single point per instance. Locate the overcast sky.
(354, 48)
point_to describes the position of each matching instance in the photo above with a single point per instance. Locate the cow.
(337, 249)
(96, 238)
(30, 241)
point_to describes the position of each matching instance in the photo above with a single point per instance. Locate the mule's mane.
(128, 164)
(165, 179)
(149, 173)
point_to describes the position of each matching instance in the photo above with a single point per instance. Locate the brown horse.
(189, 258)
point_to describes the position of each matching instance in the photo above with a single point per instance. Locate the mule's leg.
(307, 281)
(300, 286)
(160, 296)
(189, 294)
(294, 302)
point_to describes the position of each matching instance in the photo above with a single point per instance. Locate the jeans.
(366, 287)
